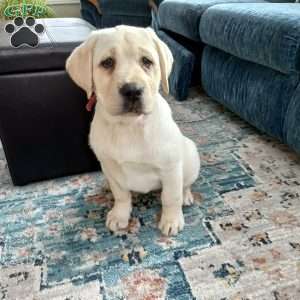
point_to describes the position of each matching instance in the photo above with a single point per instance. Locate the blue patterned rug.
(241, 239)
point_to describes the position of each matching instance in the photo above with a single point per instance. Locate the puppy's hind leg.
(188, 198)
(106, 190)
(105, 187)
(191, 167)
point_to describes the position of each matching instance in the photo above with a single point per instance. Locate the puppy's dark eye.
(108, 63)
(147, 62)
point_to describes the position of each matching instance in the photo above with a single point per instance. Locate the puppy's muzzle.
(132, 97)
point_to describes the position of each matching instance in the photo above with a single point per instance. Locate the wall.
(65, 8)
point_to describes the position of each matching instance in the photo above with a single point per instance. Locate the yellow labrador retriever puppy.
(133, 134)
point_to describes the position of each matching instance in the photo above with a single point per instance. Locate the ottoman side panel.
(44, 126)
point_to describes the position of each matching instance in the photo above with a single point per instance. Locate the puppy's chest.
(122, 145)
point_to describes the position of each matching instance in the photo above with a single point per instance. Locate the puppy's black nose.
(131, 91)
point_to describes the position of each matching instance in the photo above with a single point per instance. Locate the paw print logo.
(24, 33)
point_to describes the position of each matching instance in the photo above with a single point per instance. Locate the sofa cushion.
(264, 33)
(183, 16)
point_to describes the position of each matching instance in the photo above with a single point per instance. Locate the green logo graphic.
(23, 8)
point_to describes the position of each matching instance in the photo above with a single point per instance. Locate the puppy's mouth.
(133, 107)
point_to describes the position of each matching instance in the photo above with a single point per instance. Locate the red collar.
(91, 102)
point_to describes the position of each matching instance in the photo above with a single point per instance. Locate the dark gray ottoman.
(43, 122)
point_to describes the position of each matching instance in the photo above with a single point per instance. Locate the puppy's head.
(124, 67)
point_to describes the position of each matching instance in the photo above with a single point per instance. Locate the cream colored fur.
(138, 153)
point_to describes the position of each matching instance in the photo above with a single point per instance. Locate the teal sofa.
(244, 55)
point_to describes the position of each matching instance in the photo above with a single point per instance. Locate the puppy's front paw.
(171, 222)
(117, 219)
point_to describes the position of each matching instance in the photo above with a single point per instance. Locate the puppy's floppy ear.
(79, 64)
(165, 60)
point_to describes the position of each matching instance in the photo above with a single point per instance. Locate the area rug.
(241, 239)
